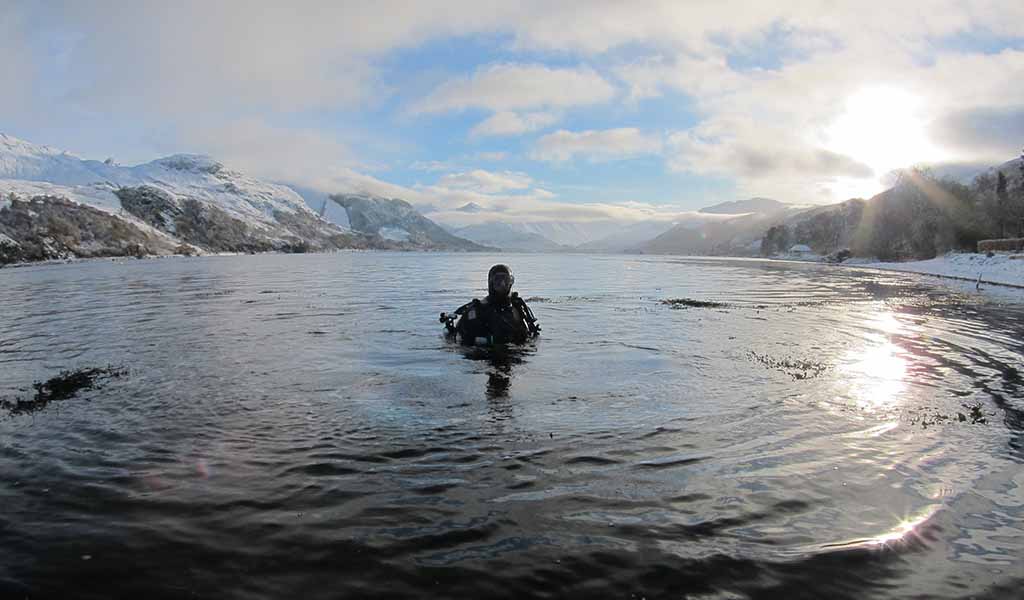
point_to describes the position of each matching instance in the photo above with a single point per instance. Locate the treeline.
(921, 216)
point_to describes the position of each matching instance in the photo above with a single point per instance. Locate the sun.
(884, 128)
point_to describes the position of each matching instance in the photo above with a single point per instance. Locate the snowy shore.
(1001, 269)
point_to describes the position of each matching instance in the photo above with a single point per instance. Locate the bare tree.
(1020, 197)
(1003, 204)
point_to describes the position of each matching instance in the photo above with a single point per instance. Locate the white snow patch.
(1006, 269)
(100, 196)
(395, 234)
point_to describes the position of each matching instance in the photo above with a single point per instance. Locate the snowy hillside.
(198, 177)
(54, 204)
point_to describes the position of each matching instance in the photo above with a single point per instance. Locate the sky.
(536, 111)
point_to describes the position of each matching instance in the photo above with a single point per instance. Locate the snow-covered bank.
(1001, 269)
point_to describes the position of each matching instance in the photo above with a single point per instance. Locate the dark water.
(296, 427)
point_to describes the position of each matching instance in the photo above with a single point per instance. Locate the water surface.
(297, 426)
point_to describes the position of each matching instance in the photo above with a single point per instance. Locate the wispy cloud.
(595, 145)
(510, 87)
(510, 123)
(486, 181)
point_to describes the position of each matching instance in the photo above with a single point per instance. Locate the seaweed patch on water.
(64, 386)
(795, 368)
(681, 303)
(974, 415)
(561, 299)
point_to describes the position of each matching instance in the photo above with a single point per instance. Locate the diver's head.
(499, 281)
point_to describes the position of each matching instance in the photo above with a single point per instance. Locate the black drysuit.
(496, 320)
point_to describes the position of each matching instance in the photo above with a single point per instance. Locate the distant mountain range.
(54, 204)
(737, 231)
(703, 232)
(509, 236)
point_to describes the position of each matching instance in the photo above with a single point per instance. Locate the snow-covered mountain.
(761, 206)
(734, 228)
(55, 204)
(509, 236)
(197, 177)
(397, 220)
(470, 207)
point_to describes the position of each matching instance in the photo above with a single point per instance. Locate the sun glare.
(877, 372)
(884, 128)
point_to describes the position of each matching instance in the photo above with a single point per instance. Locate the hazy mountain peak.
(192, 163)
(751, 205)
(470, 207)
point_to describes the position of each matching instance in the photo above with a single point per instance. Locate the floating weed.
(974, 416)
(795, 368)
(680, 303)
(62, 387)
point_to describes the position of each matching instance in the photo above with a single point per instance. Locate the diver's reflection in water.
(501, 365)
(499, 380)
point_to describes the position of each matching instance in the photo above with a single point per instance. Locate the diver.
(500, 318)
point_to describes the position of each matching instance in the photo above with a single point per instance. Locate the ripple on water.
(290, 430)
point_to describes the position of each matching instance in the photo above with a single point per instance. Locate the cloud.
(996, 133)
(491, 156)
(765, 82)
(769, 129)
(509, 87)
(595, 145)
(16, 66)
(510, 123)
(431, 165)
(748, 160)
(307, 158)
(486, 181)
(650, 77)
(315, 161)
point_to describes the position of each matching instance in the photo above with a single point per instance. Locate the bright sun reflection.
(877, 371)
(905, 528)
(884, 128)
